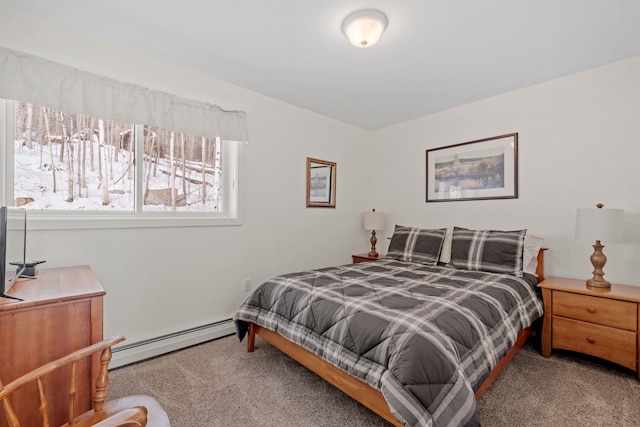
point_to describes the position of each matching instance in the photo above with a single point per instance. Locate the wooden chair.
(130, 411)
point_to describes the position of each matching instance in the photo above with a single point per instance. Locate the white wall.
(579, 144)
(163, 280)
(578, 141)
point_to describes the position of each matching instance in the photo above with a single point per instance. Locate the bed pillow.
(416, 244)
(532, 245)
(488, 250)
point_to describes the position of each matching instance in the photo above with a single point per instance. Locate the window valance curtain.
(36, 80)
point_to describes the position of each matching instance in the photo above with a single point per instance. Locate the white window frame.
(232, 159)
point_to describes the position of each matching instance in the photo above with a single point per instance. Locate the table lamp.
(599, 224)
(373, 221)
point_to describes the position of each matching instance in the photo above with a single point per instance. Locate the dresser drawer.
(603, 311)
(616, 345)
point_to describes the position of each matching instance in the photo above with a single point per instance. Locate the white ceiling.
(434, 55)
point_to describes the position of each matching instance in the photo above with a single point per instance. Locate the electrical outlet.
(247, 285)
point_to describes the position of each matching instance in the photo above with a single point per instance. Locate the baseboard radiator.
(141, 350)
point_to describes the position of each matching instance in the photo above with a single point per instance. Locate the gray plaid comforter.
(426, 337)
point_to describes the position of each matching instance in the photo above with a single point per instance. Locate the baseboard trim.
(135, 352)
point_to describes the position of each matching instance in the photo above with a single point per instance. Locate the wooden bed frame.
(359, 390)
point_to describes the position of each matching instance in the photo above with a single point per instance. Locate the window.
(181, 172)
(199, 178)
(57, 161)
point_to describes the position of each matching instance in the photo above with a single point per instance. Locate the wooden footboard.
(358, 390)
(353, 387)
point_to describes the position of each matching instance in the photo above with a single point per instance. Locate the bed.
(417, 336)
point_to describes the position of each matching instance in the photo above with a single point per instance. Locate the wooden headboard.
(540, 267)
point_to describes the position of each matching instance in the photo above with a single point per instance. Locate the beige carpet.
(219, 384)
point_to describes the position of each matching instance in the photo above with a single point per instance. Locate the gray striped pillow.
(416, 245)
(488, 250)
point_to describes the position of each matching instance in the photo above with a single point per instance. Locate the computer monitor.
(13, 249)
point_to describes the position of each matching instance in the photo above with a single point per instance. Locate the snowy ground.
(34, 178)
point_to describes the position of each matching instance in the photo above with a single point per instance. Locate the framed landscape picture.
(321, 183)
(475, 170)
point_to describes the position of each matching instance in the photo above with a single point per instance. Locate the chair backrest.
(131, 417)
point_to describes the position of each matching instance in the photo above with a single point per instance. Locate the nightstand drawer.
(604, 311)
(616, 345)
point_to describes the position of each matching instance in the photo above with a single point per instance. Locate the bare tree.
(148, 142)
(40, 116)
(104, 181)
(57, 122)
(131, 147)
(119, 143)
(28, 126)
(114, 143)
(83, 142)
(53, 162)
(91, 137)
(172, 181)
(184, 164)
(162, 136)
(70, 158)
(204, 170)
(132, 161)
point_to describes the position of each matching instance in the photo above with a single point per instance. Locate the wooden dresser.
(61, 312)
(601, 322)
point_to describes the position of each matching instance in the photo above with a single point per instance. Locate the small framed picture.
(321, 183)
(475, 170)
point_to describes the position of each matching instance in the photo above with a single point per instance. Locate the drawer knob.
(591, 309)
(591, 340)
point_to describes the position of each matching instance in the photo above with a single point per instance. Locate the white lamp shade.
(373, 221)
(364, 27)
(606, 225)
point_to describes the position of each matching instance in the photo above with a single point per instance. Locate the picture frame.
(483, 169)
(321, 183)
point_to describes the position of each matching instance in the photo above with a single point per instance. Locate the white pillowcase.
(532, 245)
(445, 252)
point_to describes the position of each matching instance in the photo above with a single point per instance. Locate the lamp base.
(597, 282)
(372, 253)
(598, 260)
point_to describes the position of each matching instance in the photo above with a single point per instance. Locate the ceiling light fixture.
(364, 27)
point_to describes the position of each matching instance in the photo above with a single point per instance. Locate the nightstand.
(600, 322)
(358, 258)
